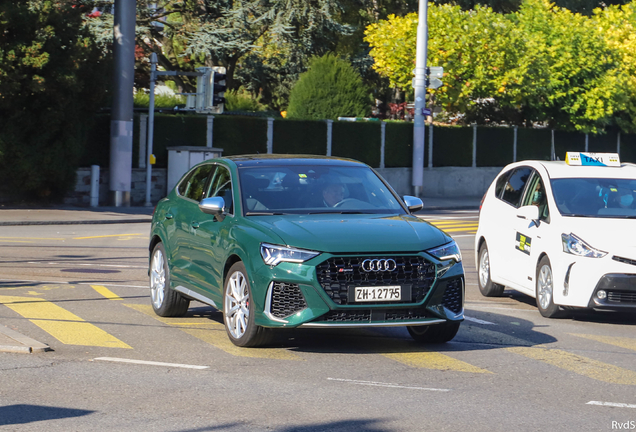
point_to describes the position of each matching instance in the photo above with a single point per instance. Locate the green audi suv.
(285, 241)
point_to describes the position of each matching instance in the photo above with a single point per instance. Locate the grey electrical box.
(181, 159)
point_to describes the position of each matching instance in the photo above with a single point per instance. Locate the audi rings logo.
(379, 265)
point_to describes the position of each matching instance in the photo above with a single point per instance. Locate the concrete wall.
(443, 181)
(438, 182)
(81, 195)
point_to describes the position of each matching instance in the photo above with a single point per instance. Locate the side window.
(515, 185)
(501, 183)
(193, 186)
(221, 186)
(536, 195)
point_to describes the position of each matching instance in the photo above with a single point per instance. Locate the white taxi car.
(563, 232)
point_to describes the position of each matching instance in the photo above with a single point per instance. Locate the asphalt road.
(82, 290)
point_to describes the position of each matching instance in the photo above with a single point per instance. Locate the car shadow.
(499, 333)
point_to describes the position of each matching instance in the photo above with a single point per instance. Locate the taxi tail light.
(481, 203)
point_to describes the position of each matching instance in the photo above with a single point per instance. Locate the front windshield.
(313, 189)
(595, 197)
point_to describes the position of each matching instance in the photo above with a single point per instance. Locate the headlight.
(575, 246)
(274, 254)
(446, 252)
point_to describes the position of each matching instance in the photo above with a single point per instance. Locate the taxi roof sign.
(592, 159)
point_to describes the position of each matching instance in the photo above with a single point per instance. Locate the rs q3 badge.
(523, 243)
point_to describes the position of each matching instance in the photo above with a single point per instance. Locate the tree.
(329, 89)
(51, 80)
(542, 64)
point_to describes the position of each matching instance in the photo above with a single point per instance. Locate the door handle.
(169, 216)
(195, 225)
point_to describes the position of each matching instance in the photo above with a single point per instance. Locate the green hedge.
(494, 146)
(398, 145)
(534, 144)
(452, 146)
(357, 140)
(300, 137)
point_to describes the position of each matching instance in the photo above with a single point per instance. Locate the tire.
(238, 310)
(486, 286)
(437, 333)
(166, 302)
(544, 290)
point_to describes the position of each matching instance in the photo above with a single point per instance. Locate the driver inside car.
(332, 194)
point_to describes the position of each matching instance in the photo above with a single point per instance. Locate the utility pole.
(121, 120)
(419, 84)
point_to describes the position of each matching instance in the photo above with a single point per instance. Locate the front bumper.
(579, 281)
(619, 292)
(317, 293)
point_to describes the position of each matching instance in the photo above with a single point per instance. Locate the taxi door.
(504, 262)
(530, 233)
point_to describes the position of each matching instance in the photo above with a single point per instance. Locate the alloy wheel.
(545, 286)
(157, 279)
(484, 268)
(236, 309)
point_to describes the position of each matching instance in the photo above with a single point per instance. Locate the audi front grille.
(337, 274)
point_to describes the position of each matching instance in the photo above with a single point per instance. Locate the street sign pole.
(419, 84)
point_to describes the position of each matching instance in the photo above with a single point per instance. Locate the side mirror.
(413, 203)
(214, 206)
(529, 212)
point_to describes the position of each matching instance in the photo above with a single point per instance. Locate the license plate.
(379, 293)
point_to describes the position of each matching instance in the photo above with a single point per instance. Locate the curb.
(25, 345)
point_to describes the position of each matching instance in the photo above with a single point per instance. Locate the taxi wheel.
(166, 302)
(238, 310)
(486, 285)
(438, 333)
(545, 290)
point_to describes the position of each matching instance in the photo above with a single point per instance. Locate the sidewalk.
(67, 215)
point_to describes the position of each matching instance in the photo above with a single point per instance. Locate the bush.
(242, 100)
(53, 78)
(331, 88)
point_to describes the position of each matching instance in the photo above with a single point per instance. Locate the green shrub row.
(452, 145)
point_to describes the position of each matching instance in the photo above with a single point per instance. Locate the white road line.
(105, 283)
(151, 363)
(534, 310)
(611, 404)
(478, 321)
(90, 264)
(380, 384)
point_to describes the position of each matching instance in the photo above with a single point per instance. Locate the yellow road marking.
(106, 292)
(579, 365)
(622, 342)
(473, 224)
(434, 360)
(110, 235)
(214, 334)
(63, 325)
(459, 229)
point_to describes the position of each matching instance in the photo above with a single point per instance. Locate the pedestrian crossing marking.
(63, 325)
(434, 360)
(623, 342)
(106, 292)
(213, 333)
(579, 365)
(455, 225)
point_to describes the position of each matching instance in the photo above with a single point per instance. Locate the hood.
(615, 236)
(354, 233)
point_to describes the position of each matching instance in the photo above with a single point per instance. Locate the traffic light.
(210, 90)
(218, 87)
